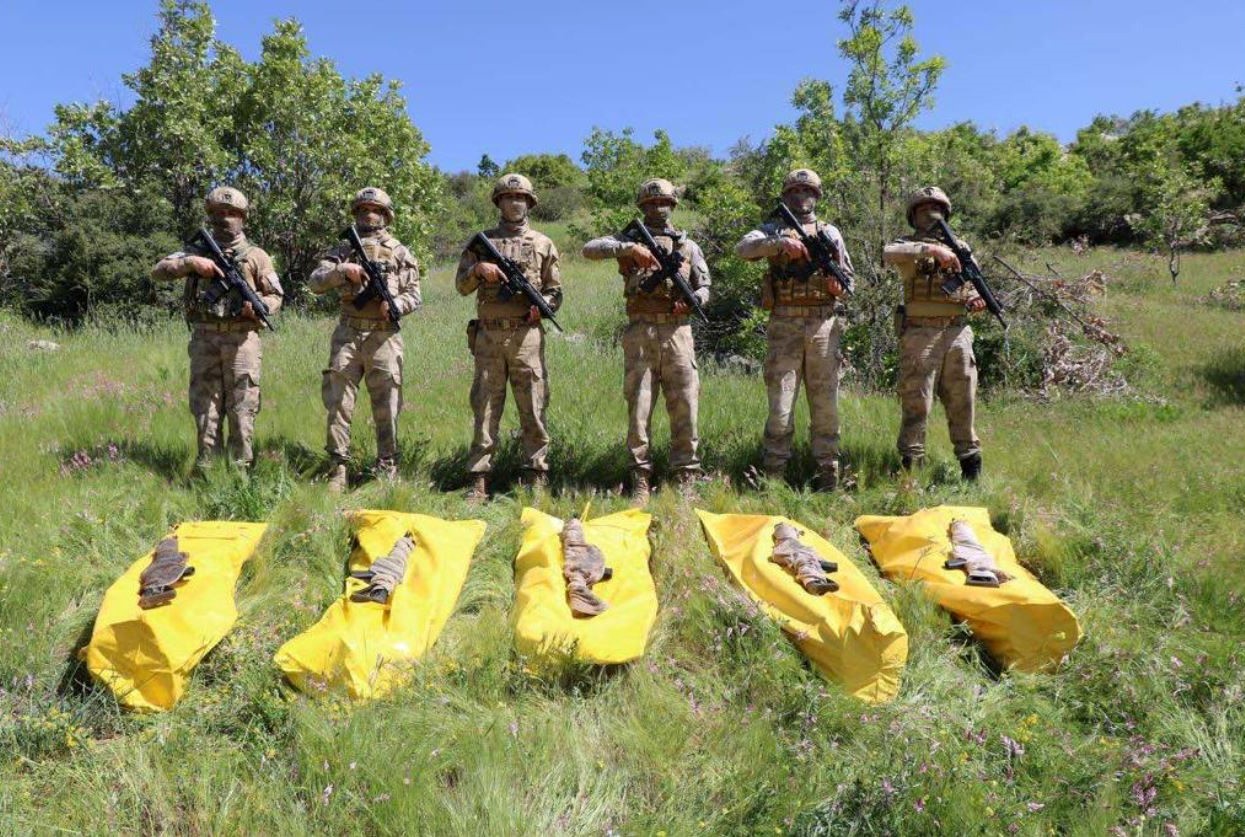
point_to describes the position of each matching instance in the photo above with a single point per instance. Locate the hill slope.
(1128, 508)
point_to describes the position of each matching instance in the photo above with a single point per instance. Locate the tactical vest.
(783, 288)
(381, 250)
(229, 306)
(922, 288)
(520, 249)
(661, 299)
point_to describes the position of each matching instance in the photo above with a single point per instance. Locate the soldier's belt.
(368, 324)
(658, 319)
(935, 322)
(498, 323)
(809, 310)
(224, 326)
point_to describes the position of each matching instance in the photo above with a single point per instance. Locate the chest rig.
(520, 249)
(382, 251)
(227, 307)
(922, 288)
(789, 285)
(646, 297)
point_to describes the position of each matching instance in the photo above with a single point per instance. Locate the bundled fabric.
(849, 633)
(1021, 623)
(545, 623)
(364, 647)
(168, 568)
(969, 555)
(583, 565)
(385, 573)
(145, 653)
(807, 566)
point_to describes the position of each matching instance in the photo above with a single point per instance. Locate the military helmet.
(227, 196)
(509, 183)
(656, 188)
(371, 194)
(802, 177)
(928, 194)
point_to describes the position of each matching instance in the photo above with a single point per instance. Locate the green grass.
(1129, 508)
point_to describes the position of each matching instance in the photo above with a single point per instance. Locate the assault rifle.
(969, 272)
(233, 280)
(376, 285)
(514, 282)
(670, 266)
(823, 255)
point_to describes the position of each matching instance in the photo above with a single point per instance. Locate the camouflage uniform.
(935, 344)
(805, 327)
(366, 345)
(225, 348)
(658, 349)
(505, 347)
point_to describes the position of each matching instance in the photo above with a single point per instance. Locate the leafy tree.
(487, 168)
(175, 135)
(30, 198)
(557, 180)
(307, 139)
(1177, 204)
(96, 262)
(887, 88)
(548, 171)
(288, 130)
(616, 165)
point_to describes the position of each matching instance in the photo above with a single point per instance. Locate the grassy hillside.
(1129, 508)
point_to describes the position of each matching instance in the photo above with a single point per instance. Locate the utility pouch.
(473, 328)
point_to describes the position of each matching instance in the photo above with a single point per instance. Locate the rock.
(43, 346)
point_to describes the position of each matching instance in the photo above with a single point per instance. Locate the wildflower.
(1034, 807)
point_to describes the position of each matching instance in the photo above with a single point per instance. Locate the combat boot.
(478, 493)
(828, 477)
(640, 488)
(386, 469)
(908, 464)
(337, 478)
(970, 467)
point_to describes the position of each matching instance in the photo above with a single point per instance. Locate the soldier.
(366, 344)
(806, 324)
(506, 339)
(657, 345)
(225, 349)
(936, 342)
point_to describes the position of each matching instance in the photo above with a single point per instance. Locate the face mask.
(368, 220)
(657, 213)
(801, 202)
(227, 227)
(514, 209)
(927, 216)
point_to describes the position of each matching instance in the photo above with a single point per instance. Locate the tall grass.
(1129, 508)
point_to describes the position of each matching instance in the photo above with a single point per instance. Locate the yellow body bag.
(365, 649)
(544, 627)
(1021, 623)
(146, 656)
(851, 635)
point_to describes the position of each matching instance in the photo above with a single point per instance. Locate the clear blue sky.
(513, 77)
